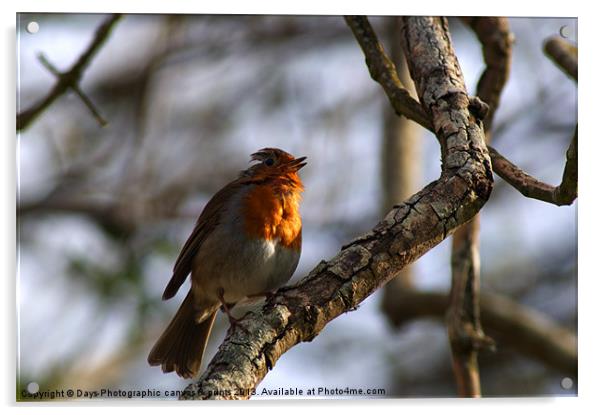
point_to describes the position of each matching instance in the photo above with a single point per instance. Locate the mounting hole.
(33, 387)
(568, 32)
(566, 383)
(32, 27)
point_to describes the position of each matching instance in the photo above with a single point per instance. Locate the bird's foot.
(236, 323)
(268, 295)
(227, 308)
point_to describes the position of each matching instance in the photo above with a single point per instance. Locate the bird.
(246, 244)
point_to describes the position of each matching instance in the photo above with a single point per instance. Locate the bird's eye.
(269, 161)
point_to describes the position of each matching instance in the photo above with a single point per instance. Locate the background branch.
(496, 40)
(75, 87)
(525, 329)
(464, 328)
(70, 78)
(563, 54)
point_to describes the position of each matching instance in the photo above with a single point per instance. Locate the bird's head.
(274, 162)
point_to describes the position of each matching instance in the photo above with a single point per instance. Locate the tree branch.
(496, 39)
(563, 54)
(561, 195)
(400, 159)
(75, 87)
(464, 328)
(527, 330)
(383, 71)
(70, 79)
(107, 215)
(299, 312)
(379, 62)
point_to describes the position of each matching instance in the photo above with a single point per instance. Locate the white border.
(372, 7)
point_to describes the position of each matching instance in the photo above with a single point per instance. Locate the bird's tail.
(182, 344)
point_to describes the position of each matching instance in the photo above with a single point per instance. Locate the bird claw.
(236, 323)
(226, 308)
(268, 295)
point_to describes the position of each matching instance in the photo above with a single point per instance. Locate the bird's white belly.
(240, 265)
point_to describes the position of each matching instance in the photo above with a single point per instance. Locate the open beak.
(296, 164)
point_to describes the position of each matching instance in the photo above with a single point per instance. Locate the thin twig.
(383, 71)
(564, 54)
(562, 195)
(69, 79)
(75, 87)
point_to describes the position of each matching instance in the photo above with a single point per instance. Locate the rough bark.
(465, 332)
(400, 151)
(299, 312)
(400, 161)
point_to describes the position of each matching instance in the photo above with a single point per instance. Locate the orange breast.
(271, 213)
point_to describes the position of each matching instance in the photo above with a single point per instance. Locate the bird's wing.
(208, 220)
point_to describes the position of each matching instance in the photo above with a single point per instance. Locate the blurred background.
(103, 212)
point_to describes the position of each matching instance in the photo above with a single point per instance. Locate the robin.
(246, 243)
